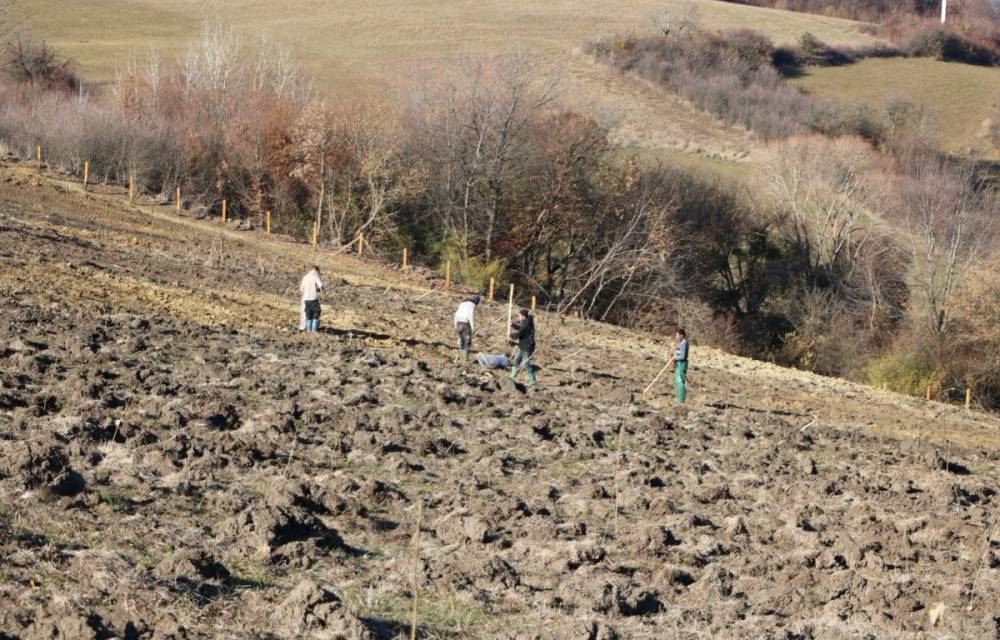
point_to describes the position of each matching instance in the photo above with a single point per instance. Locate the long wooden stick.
(656, 378)
(510, 311)
(86, 173)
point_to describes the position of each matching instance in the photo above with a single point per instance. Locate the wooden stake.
(267, 222)
(885, 386)
(510, 311)
(533, 301)
(224, 211)
(415, 585)
(178, 199)
(38, 155)
(131, 187)
(928, 392)
(86, 173)
(493, 284)
(646, 390)
(361, 244)
(447, 275)
(315, 238)
(968, 399)
(406, 258)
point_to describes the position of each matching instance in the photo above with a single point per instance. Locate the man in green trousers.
(680, 362)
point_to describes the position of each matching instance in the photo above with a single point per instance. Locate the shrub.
(906, 369)
(38, 64)
(815, 53)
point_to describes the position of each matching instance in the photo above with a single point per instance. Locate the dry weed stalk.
(416, 569)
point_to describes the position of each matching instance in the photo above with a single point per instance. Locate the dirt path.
(178, 462)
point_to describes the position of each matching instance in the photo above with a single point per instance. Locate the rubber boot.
(513, 373)
(532, 379)
(465, 354)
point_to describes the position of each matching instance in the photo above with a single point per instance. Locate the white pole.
(944, 10)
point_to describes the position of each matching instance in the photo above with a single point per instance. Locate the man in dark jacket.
(523, 335)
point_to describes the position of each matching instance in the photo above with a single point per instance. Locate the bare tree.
(944, 214)
(313, 144)
(473, 128)
(821, 193)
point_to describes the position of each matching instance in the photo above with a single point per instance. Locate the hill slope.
(180, 463)
(360, 45)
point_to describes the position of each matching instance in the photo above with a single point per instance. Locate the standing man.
(680, 362)
(523, 335)
(310, 287)
(465, 325)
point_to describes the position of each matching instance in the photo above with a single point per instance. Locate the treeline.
(971, 33)
(840, 259)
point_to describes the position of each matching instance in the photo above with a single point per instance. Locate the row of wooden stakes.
(929, 395)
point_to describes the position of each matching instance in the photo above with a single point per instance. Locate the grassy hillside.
(368, 45)
(957, 97)
(180, 463)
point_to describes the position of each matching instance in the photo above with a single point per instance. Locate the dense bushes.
(729, 75)
(951, 46)
(738, 76)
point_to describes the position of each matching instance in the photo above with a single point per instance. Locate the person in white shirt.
(465, 325)
(310, 287)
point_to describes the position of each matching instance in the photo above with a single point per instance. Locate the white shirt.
(466, 313)
(311, 286)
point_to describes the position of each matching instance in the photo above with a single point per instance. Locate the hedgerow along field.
(362, 46)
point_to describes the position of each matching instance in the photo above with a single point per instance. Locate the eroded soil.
(176, 461)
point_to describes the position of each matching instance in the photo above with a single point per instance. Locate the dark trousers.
(464, 331)
(312, 310)
(523, 360)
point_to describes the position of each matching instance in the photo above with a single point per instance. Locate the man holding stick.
(523, 335)
(679, 363)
